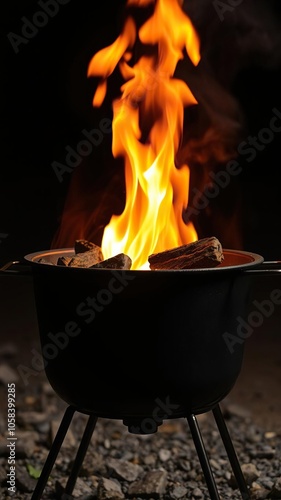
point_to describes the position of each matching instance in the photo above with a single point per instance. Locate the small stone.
(125, 470)
(153, 484)
(253, 435)
(164, 455)
(150, 459)
(170, 427)
(266, 482)
(7, 374)
(179, 492)
(270, 435)
(276, 490)
(109, 489)
(93, 464)
(24, 482)
(227, 475)
(81, 490)
(258, 492)
(184, 465)
(30, 401)
(107, 444)
(264, 452)
(250, 473)
(69, 440)
(214, 464)
(197, 493)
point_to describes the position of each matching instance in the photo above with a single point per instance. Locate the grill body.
(141, 344)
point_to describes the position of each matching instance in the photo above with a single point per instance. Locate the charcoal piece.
(81, 246)
(204, 253)
(44, 261)
(86, 259)
(63, 261)
(119, 261)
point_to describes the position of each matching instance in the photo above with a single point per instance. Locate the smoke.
(235, 35)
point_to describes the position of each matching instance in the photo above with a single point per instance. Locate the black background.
(46, 101)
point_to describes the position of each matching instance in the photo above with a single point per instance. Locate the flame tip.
(150, 106)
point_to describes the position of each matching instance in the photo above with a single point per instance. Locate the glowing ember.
(147, 129)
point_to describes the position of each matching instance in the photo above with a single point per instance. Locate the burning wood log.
(89, 255)
(63, 261)
(203, 253)
(120, 261)
(81, 246)
(86, 254)
(87, 258)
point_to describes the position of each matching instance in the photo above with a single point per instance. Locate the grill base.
(88, 432)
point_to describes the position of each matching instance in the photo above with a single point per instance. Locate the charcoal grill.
(142, 346)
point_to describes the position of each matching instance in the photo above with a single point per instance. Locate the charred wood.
(81, 246)
(120, 261)
(86, 259)
(204, 253)
(63, 261)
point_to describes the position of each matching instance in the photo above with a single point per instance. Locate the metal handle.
(15, 268)
(266, 268)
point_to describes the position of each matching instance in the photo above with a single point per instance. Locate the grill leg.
(53, 453)
(202, 455)
(89, 429)
(242, 485)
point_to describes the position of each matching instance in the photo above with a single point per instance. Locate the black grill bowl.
(136, 344)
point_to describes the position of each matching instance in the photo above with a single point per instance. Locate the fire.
(147, 128)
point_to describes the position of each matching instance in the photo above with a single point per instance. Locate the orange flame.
(147, 129)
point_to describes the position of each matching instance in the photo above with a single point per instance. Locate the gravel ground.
(118, 464)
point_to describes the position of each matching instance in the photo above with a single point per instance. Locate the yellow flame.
(147, 129)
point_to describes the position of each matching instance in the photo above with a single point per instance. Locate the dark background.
(46, 103)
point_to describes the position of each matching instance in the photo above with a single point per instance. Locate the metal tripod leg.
(89, 429)
(53, 453)
(202, 455)
(238, 474)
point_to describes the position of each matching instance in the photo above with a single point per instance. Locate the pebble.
(197, 493)
(124, 470)
(109, 489)
(7, 374)
(179, 492)
(164, 454)
(276, 489)
(152, 483)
